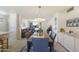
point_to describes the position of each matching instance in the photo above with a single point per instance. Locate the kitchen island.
(42, 35)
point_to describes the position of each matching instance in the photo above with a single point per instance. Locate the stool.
(1, 45)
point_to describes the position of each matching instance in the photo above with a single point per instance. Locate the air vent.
(70, 9)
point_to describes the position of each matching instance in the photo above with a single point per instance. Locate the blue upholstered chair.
(40, 45)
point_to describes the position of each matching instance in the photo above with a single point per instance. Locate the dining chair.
(53, 36)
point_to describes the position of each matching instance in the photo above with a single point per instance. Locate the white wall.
(19, 21)
(25, 23)
(45, 25)
(12, 28)
(3, 24)
(63, 16)
(50, 21)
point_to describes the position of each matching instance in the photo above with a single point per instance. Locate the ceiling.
(33, 11)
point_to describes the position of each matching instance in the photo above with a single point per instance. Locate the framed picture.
(73, 22)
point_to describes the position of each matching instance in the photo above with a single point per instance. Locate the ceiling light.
(39, 19)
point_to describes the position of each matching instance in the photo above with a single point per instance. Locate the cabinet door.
(76, 44)
(69, 42)
(60, 38)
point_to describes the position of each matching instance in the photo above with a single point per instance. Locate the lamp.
(38, 17)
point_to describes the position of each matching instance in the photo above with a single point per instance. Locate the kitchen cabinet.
(60, 38)
(69, 42)
(76, 45)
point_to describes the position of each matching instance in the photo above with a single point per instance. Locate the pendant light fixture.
(39, 9)
(39, 19)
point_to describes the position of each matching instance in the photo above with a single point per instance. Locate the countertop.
(35, 35)
(1, 33)
(75, 35)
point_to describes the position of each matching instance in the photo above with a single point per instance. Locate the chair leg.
(29, 44)
(51, 46)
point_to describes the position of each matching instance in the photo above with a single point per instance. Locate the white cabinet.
(76, 45)
(69, 42)
(60, 38)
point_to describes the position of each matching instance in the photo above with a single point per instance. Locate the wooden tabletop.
(36, 35)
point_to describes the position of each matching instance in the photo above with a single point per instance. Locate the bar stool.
(1, 45)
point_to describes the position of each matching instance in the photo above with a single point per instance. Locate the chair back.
(53, 35)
